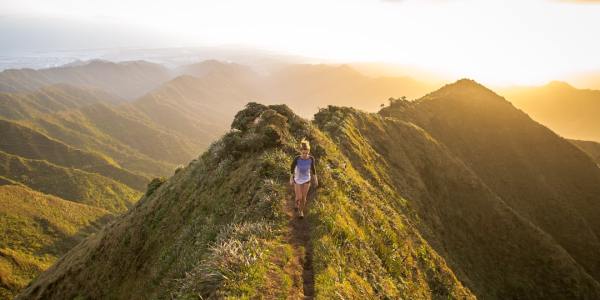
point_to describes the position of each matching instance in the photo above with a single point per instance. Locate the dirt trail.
(299, 238)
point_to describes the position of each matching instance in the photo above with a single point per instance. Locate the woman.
(302, 167)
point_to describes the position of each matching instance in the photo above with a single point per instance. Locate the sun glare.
(496, 42)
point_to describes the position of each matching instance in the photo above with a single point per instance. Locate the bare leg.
(298, 191)
(305, 188)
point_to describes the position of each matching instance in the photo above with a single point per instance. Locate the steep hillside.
(396, 215)
(67, 183)
(570, 112)
(128, 80)
(123, 134)
(28, 143)
(590, 148)
(49, 99)
(199, 108)
(540, 175)
(35, 229)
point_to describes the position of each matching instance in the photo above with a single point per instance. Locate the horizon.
(496, 43)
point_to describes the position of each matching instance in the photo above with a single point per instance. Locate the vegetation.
(35, 229)
(27, 143)
(438, 198)
(70, 184)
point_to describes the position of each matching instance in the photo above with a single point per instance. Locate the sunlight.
(497, 42)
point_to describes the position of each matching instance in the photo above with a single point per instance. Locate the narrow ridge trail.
(299, 239)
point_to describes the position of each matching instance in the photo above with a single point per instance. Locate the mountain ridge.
(400, 212)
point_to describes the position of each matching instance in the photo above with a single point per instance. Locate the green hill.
(36, 229)
(67, 183)
(398, 214)
(50, 99)
(28, 143)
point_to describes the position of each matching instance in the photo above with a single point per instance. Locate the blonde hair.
(304, 144)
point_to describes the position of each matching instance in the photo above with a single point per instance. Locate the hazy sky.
(494, 41)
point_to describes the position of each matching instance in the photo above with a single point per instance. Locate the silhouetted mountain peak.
(559, 85)
(463, 87)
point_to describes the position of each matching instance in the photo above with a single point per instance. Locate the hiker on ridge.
(301, 169)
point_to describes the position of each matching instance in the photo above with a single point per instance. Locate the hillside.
(36, 229)
(28, 143)
(198, 108)
(570, 112)
(398, 214)
(50, 99)
(70, 184)
(537, 173)
(590, 148)
(120, 134)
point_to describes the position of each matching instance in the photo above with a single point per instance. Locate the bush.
(155, 184)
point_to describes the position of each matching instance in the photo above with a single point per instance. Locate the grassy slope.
(35, 229)
(120, 135)
(70, 184)
(494, 251)
(50, 99)
(227, 230)
(28, 143)
(60, 112)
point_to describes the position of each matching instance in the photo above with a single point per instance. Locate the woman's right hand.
(291, 181)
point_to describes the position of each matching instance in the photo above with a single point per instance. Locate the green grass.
(69, 184)
(35, 229)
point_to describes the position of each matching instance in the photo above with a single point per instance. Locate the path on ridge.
(299, 238)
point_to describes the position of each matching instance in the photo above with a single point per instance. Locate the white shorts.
(302, 180)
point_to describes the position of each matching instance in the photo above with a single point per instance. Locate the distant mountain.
(50, 99)
(587, 80)
(306, 87)
(450, 196)
(570, 112)
(198, 108)
(121, 134)
(214, 67)
(591, 148)
(128, 80)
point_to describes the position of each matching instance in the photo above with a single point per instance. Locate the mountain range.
(458, 194)
(95, 133)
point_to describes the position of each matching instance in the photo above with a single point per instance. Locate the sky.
(498, 42)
